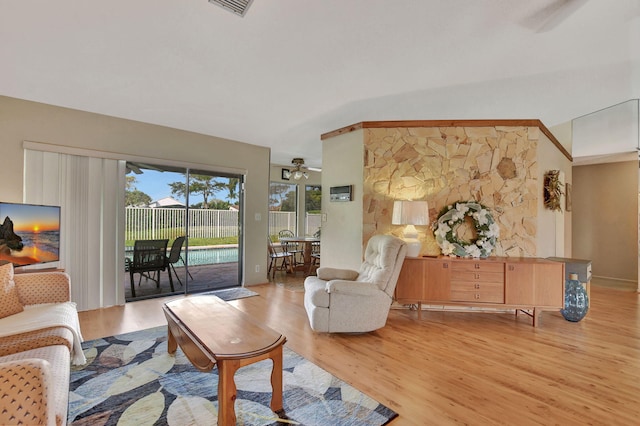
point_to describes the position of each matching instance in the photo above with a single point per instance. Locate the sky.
(26, 217)
(156, 185)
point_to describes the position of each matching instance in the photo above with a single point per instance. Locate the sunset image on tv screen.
(29, 233)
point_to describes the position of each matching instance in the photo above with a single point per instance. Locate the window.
(312, 209)
(282, 208)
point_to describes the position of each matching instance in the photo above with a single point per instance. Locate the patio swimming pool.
(207, 255)
(211, 255)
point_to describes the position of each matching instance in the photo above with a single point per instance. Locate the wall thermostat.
(341, 193)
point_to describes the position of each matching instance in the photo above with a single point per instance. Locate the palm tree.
(204, 185)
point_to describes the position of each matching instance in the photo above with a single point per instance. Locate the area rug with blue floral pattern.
(130, 379)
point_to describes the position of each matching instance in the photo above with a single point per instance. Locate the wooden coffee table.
(211, 331)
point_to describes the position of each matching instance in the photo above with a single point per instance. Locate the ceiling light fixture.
(297, 172)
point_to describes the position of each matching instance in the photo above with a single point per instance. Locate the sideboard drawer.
(477, 276)
(478, 266)
(483, 292)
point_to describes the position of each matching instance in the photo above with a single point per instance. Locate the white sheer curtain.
(90, 191)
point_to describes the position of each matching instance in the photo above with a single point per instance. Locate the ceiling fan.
(299, 170)
(552, 15)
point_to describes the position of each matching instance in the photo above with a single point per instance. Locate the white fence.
(143, 223)
(312, 223)
(287, 220)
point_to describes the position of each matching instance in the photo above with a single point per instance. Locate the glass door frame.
(187, 226)
(240, 227)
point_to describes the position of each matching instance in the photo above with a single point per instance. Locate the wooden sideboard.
(530, 285)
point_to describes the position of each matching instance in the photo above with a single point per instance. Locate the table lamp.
(411, 213)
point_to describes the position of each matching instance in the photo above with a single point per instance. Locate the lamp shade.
(407, 212)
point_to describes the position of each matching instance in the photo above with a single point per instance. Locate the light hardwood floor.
(459, 368)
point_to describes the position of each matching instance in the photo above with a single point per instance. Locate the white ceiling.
(291, 70)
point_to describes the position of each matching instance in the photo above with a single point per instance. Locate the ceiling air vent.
(239, 7)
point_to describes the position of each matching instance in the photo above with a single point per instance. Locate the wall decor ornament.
(452, 216)
(552, 190)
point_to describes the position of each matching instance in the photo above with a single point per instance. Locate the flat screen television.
(29, 233)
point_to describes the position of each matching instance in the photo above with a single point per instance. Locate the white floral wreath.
(487, 230)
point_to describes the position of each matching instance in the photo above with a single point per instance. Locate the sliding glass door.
(213, 220)
(198, 213)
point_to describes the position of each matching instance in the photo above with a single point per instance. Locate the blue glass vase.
(576, 301)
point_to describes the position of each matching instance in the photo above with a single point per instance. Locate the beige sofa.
(39, 339)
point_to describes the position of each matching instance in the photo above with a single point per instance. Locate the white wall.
(553, 238)
(29, 121)
(611, 130)
(606, 217)
(605, 222)
(342, 164)
(564, 134)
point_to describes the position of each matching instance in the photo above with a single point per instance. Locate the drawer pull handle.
(476, 265)
(477, 296)
(476, 276)
(477, 286)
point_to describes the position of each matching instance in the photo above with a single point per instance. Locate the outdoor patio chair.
(149, 259)
(175, 255)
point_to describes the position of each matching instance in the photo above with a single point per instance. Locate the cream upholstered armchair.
(349, 301)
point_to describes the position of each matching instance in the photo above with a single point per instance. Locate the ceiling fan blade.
(552, 15)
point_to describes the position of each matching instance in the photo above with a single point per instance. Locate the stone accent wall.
(496, 166)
